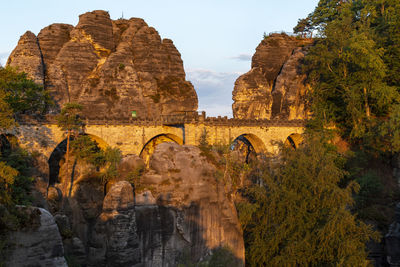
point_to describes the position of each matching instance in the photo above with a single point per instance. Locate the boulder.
(39, 243)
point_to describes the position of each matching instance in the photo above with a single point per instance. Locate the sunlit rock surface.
(274, 88)
(179, 210)
(112, 67)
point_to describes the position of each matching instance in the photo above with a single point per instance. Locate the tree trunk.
(367, 110)
(66, 162)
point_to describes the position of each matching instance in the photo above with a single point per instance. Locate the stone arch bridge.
(134, 135)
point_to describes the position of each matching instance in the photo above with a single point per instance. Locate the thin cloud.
(242, 57)
(210, 76)
(214, 90)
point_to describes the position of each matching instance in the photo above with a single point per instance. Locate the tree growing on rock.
(23, 95)
(299, 215)
(69, 120)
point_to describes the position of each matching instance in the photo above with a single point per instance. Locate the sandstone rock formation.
(27, 57)
(38, 244)
(112, 67)
(392, 240)
(193, 210)
(114, 240)
(178, 211)
(274, 87)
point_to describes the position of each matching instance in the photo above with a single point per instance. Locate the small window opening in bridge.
(243, 147)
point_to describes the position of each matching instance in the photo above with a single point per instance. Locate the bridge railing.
(172, 119)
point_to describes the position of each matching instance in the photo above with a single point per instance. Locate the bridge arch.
(253, 140)
(58, 153)
(294, 140)
(148, 148)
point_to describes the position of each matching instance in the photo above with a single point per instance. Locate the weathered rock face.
(274, 87)
(27, 57)
(114, 241)
(191, 209)
(111, 67)
(392, 240)
(39, 244)
(178, 211)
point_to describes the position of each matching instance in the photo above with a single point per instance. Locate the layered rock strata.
(111, 67)
(178, 212)
(274, 88)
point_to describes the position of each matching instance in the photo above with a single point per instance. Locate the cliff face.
(112, 67)
(38, 243)
(179, 212)
(274, 87)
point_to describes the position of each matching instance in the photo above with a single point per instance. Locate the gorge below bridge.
(140, 136)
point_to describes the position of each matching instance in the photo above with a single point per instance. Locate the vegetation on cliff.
(18, 95)
(301, 216)
(353, 70)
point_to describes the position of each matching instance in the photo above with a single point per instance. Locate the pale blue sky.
(216, 38)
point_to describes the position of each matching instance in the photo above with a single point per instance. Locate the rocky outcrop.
(27, 57)
(114, 240)
(392, 240)
(177, 211)
(111, 67)
(192, 213)
(274, 88)
(38, 244)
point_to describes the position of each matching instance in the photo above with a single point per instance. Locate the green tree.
(348, 74)
(6, 114)
(7, 178)
(299, 215)
(23, 95)
(112, 157)
(304, 27)
(84, 148)
(69, 120)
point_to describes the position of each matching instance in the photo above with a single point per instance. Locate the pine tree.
(70, 121)
(300, 215)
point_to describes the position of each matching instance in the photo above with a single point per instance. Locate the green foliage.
(370, 186)
(7, 179)
(6, 113)
(301, 216)
(351, 71)
(112, 157)
(223, 257)
(304, 27)
(134, 177)
(220, 257)
(203, 142)
(69, 119)
(86, 149)
(23, 95)
(18, 95)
